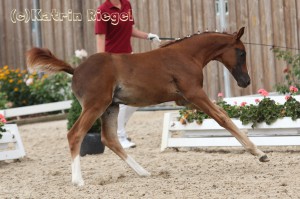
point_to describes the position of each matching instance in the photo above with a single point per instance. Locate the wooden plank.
(68, 31)
(141, 21)
(3, 57)
(211, 70)
(154, 19)
(175, 12)
(27, 38)
(197, 15)
(266, 32)
(165, 19)
(59, 31)
(18, 38)
(256, 60)
(298, 23)
(290, 20)
(186, 17)
(242, 21)
(47, 27)
(231, 28)
(89, 28)
(9, 39)
(278, 35)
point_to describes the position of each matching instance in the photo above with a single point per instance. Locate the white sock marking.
(136, 167)
(76, 172)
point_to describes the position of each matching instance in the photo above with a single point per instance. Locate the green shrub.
(291, 72)
(74, 113)
(21, 88)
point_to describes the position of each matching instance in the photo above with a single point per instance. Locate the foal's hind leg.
(110, 139)
(200, 100)
(75, 137)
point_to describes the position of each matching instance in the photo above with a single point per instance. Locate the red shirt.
(116, 24)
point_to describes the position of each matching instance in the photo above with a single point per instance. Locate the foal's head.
(234, 58)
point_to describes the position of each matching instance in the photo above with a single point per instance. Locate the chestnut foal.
(173, 72)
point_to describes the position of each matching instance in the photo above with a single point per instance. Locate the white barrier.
(11, 146)
(34, 109)
(281, 133)
(284, 132)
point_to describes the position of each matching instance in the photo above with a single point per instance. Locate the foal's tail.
(42, 59)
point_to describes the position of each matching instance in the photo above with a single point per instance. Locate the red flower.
(243, 103)
(257, 101)
(287, 97)
(2, 119)
(293, 89)
(220, 94)
(286, 70)
(263, 92)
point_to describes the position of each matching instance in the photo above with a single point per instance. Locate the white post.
(222, 9)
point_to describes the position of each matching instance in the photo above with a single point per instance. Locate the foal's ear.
(238, 35)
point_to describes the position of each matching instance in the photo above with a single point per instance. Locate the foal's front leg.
(201, 100)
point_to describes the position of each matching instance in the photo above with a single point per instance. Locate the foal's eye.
(243, 54)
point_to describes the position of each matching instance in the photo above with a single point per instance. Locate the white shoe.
(126, 144)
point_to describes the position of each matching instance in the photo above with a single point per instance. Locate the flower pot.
(91, 144)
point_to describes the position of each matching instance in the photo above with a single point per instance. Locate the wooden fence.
(274, 22)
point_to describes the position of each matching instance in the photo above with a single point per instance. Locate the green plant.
(3, 101)
(50, 89)
(20, 88)
(291, 72)
(74, 113)
(266, 110)
(13, 85)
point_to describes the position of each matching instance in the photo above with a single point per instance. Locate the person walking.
(114, 27)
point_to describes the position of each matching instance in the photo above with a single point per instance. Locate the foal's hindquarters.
(95, 106)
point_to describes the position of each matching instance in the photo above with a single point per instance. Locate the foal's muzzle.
(244, 81)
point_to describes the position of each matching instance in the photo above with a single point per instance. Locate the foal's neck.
(209, 45)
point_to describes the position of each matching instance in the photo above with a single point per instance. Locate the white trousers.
(125, 112)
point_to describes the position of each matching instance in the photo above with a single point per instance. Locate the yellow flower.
(16, 89)
(17, 70)
(5, 67)
(19, 75)
(20, 81)
(45, 76)
(11, 81)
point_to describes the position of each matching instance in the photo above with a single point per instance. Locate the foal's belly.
(144, 96)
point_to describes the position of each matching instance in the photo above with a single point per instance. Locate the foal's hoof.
(78, 183)
(264, 158)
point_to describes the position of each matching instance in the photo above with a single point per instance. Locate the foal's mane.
(169, 43)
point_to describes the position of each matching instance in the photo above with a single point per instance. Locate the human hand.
(153, 37)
